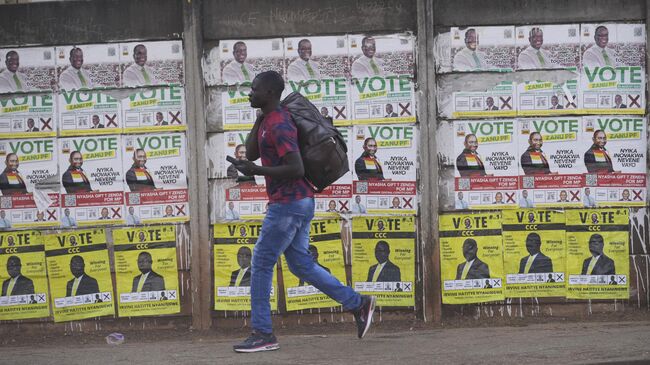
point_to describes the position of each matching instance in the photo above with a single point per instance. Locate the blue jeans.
(286, 230)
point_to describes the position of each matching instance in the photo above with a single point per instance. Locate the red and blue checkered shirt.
(276, 137)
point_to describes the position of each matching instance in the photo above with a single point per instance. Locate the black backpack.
(323, 149)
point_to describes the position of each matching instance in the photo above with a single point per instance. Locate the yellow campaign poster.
(383, 259)
(598, 253)
(471, 258)
(233, 254)
(146, 271)
(23, 277)
(327, 251)
(534, 253)
(79, 274)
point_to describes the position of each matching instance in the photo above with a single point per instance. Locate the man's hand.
(246, 167)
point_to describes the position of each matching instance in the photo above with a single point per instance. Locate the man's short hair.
(240, 43)
(73, 50)
(238, 147)
(274, 81)
(530, 138)
(470, 241)
(366, 39)
(598, 131)
(383, 243)
(365, 141)
(9, 155)
(469, 135)
(467, 32)
(599, 28)
(10, 53)
(135, 153)
(303, 41)
(534, 30)
(534, 235)
(73, 153)
(139, 45)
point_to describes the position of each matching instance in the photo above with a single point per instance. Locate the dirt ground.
(555, 341)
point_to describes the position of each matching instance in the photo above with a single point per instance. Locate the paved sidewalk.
(559, 343)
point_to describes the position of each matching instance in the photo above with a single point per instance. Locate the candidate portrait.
(472, 267)
(17, 284)
(535, 262)
(138, 177)
(242, 276)
(139, 73)
(384, 270)
(598, 263)
(148, 280)
(304, 68)
(81, 283)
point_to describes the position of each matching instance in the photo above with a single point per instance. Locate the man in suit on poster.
(17, 284)
(472, 267)
(148, 280)
(384, 270)
(82, 283)
(242, 276)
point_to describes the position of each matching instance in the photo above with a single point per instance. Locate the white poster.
(551, 170)
(29, 183)
(497, 102)
(155, 110)
(94, 66)
(384, 171)
(486, 164)
(24, 116)
(313, 59)
(336, 198)
(614, 154)
(27, 70)
(88, 112)
(612, 80)
(91, 180)
(236, 109)
(241, 60)
(381, 55)
(155, 178)
(483, 49)
(151, 63)
(547, 98)
(548, 46)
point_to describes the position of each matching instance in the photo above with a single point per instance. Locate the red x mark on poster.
(404, 109)
(637, 194)
(46, 123)
(51, 215)
(407, 202)
(339, 112)
(634, 101)
(180, 210)
(574, 195)
(343, 204)
(111, 120)
(510, 197)
(505, 102)
(175, 118)
(116, 212)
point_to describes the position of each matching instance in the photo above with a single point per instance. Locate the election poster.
(246, 200)
(383, 259)
(612, 79)
(27, 70)
(614, 151)
(598, 253)
(336, 198)
(236, 109)
(22, 273)
(155, 172)
(233, 253)
(88, 112)
(315, 59)
(548, 47)
(329, 96)
(497, 102)
(233, 143)
(241, 60)
(29, 183)
(326, 249)
(146, 271)
(155, 110)
(471, 258)
(92, 191)
(27, 116)
(92, 66)
(381, 55)
(547, 98)
(382, 99)
(385, 166)
(151, 63)
(486, 164)
(381, 88)
(79, 274)
(483, 49)
(551, 170)
(534, 253)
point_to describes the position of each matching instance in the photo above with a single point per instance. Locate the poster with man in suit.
(155, 174)
(533, 244)
(386, 265)
(78, 271)
(232, 242)
(151, 63)
(598, 253)
(88, 112)
(326, 250)
(91, 179)
(483, 49)
(145, 269)
(22, 275)
(27, 69)
(28, 117)
(486, 167)
(613, 64)
(87, 67)
(471, 258)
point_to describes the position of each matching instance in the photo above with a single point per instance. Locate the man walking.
(285, 229)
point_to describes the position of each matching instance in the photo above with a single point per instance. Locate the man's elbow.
(298, 171)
